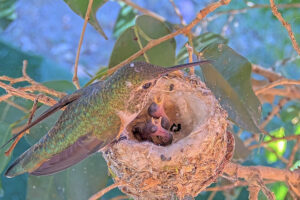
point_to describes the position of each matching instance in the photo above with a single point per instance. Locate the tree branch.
(17, 92)
(266, 173)
(255, 6)
(277, 83)
(24, 92)
(178, 13)
(286, 25)
(35, 86)
(203, 13)
(143, 10)
(262, 144)
(86, 19)
(274, 112)
(293, 154)
(267, 73)
(265, 89)
(105, 190)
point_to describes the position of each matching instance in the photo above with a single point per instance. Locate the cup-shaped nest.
(193, 153)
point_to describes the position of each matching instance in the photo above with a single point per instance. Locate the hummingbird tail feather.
(33, 162)
(15, 168)
(75, 153)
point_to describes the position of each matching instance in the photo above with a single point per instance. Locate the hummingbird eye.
(147, 85)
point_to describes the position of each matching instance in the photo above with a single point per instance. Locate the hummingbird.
(93, 117)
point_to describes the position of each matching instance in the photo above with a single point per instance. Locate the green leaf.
(5, 132)
(61, 85)
(126, 18)
(280, 190)
(80, 8)
(7, 13)
(297, 129)
(200, 42)
(241, 152)
(290, 113)
(101, 72)
(278, 146)
(295, 166)
(229, 78)
(125, 46)
(78, 182)
(146, 28)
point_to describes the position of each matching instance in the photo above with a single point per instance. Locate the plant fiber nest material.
(195, 158)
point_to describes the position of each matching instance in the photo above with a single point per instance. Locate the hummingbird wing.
(62, 103)
(82, 148)
(68, 142)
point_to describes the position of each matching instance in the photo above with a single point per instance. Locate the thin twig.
(256, 184)
(253, 192)
(105, 190)
(262, 144)
(43, 89)
(86, 19)
(121, 197)
(232, 186)
(274, 112)
(136, 32)
(16, 92)
(15, 142)
(267, 73)
(289, 91)
(33, 109)
(244, 10)
(212, 195)
(286, 92)
(190, 53)
(266, 173)
(35, 86)
(267, 192)
(25, 64)
(143, 10)
(178, 13)
(286, 25)
(287, 60)
(226, 25)
(16, 106)
(284, 160)
(293, 154)
(292, 191)
(203, 13)
(277, 83)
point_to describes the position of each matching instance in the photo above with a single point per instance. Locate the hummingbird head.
(137, 79)
(144, 75)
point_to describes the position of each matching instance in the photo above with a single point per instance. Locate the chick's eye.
(146, 85)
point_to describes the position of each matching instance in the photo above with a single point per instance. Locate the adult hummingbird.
(94, 117)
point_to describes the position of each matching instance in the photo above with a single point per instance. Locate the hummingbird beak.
(182, 66)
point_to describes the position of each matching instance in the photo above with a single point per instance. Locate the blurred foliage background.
(46, 33)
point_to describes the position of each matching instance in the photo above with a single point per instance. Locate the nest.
(193, 156)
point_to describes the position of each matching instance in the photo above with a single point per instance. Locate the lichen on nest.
(189, 160)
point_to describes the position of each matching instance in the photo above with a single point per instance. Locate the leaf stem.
(86, 19)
